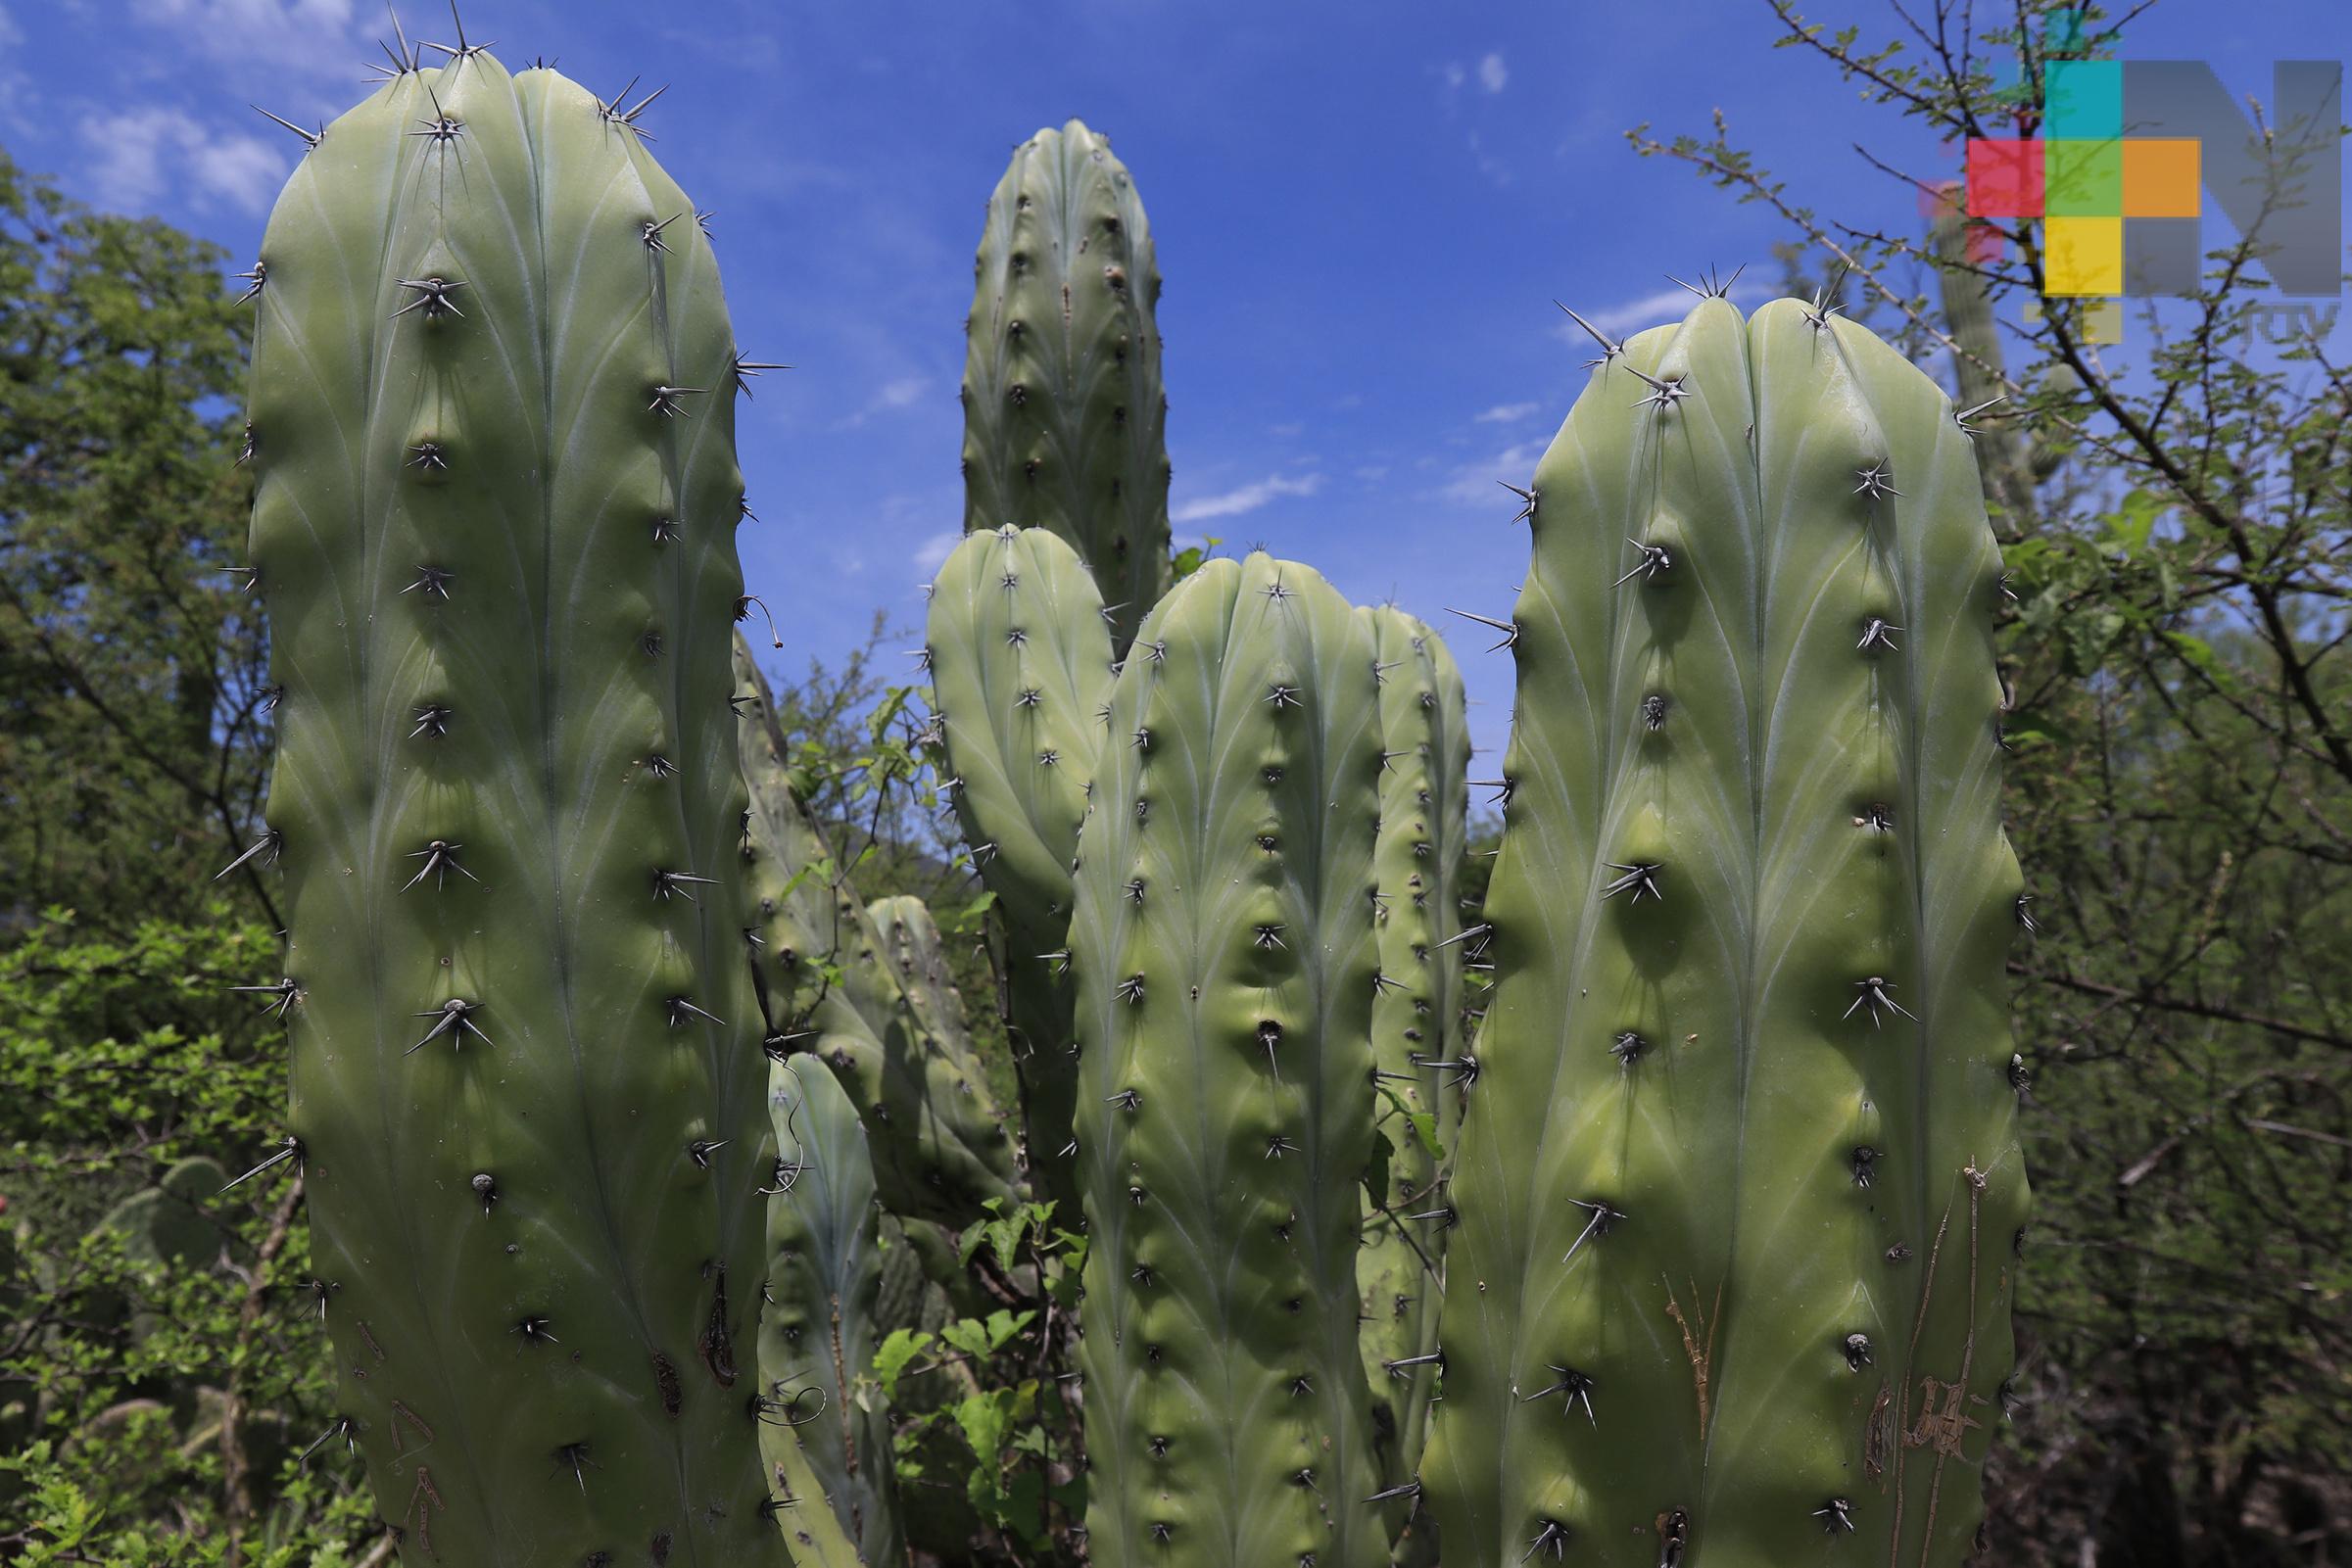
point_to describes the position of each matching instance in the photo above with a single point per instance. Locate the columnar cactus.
(1417, 1041)
(2014, 462)
(495, 521)
(1020, 669)
(1225, 959)
(1064, 416)
(830, 988)
(818, 1333)
(914, 947)
(1739, 1184)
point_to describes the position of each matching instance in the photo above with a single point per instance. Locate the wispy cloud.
(891, 397)
(933, 552)
(1462, 107)
(1670, 304)
(18, 102)
(1492, 73)
(1475, 483)
(1245, 498)
(135, 157)
(1507, 413)
(316, 38)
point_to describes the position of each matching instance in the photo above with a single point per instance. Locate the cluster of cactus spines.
(1063, 415)
(1021, 668)
(491, 428)
(1418, 1046)
(1226, 958)
(1736, 1194)
(818, 1333)
(828, 989)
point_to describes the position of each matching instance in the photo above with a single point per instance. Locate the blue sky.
(1364, 211)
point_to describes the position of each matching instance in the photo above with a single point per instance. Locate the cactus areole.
(1731, 1275)
(494, 524)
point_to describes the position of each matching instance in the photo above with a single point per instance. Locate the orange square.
(2161, 178)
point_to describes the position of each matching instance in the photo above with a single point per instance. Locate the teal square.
(2062, 30)
(2082, 100)
(2083, 179)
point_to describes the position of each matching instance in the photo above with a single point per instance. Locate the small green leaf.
(1003, 1325)
(892, 1359)
(969, 1336)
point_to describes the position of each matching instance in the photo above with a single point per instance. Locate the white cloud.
(1454, 76)
(1246, 498)
(891, 397)
(317, 37)
(1507, 413)
(1491, 73)
(933, 552)
(137, 156)
(1476, 484)
(1666, 305)
(18, 102)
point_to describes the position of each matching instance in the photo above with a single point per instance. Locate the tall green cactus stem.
(1021, 670)
(1226, 961)
(818, 1333)
(829, 987)
(492, 419)
(914, 947)
(2013, 464)
(1418, 1042)
(1740, 1179)
(1063, 417)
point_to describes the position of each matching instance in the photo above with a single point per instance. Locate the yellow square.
(2103, 322)
(2161, 176)
(2084, 255)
